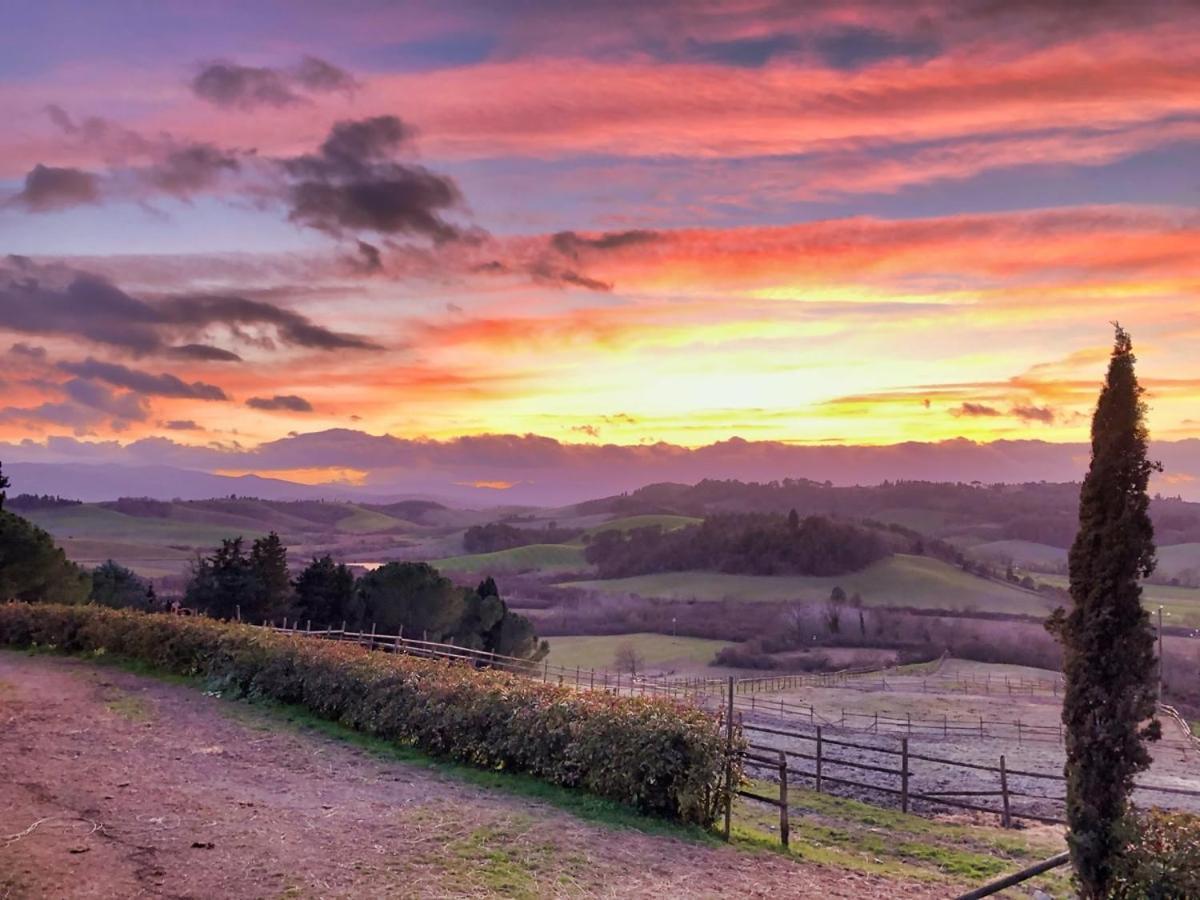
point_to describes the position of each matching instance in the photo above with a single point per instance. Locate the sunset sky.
(600, 223)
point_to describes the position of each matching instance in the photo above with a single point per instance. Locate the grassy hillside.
(1026, 554)
(98, 523)
(547, 557)
(1176, 558)
(1181, 606)
(913, 581)
(367, 521)
(628, 523)
(656, 650)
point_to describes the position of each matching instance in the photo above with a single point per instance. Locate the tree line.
(745, 543)
(408, 598)
(502, 536)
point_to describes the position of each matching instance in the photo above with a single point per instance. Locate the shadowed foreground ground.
(117, 785)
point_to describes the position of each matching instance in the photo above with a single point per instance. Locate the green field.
(904, 581)
(366, 521)
(1026, 554)
(665, 522)
(1181, 606)
(1178, 557)
(547, 557)
(98, 523)
(657, 650)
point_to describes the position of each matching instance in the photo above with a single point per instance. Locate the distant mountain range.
(95, 482)
(528, 470)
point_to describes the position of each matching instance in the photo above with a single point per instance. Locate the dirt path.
(112, 785)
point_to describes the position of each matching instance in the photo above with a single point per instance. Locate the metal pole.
(729, 761)
(1160, 655)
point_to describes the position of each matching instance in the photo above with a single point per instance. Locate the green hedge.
(662, 758)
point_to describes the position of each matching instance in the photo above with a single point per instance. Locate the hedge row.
(662, 758)
(1161, 858)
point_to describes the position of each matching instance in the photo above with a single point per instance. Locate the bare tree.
(628, 658)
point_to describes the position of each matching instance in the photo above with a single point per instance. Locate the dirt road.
(113, 785)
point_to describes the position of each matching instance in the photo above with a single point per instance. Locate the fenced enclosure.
(874, 757)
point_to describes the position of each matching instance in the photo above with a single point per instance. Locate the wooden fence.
(844, 767)
(791, 743)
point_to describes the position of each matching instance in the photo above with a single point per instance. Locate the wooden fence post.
(371, 646)
(904, 774)
(783, 799)
(1006, 819)
(729, 762)
(819, 745)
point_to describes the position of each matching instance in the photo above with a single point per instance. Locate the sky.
(229, 226)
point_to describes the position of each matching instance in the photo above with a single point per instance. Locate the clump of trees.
(407, 598)
(115, 586)
(1108, 644)
(232, 583)
(415, 600)
(26, 502)
(502, 536)
(32, 566)
(749, 543)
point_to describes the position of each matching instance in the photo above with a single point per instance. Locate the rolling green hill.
(902, 581)
(628, 523)
(599, 651)
(98, 523)
(1026, 554)
(545, 557)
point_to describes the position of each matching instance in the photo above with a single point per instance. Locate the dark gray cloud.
(975, 410)
(291, 327)
(234, 86)
(369, 260)
(289, 402)
(38, 354)
(545, 273)
(138, 165)
(188, 169)
(87, 405)
(572, 244)
(321, 75)
(1031, 413)
(352, 183)
(48, 188)
(203, 352)
(38, 299)
(161, 385)
(180, 425)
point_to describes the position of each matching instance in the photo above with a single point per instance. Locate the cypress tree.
(1109, 661)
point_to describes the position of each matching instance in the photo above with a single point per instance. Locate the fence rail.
(1031, 801)
(831, 762)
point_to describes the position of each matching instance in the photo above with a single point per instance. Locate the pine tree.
(268, 562)
(1109, 662)
(325, 594)
(3, 486)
